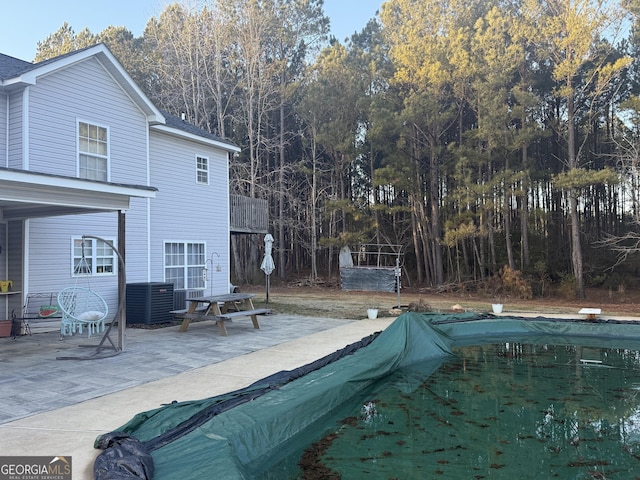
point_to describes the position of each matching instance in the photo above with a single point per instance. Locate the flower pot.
(372, 313)
(5, 328)
(497, 307)
(5, 285)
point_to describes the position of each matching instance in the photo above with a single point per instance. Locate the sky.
(26, 22)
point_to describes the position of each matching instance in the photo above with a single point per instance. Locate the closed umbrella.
(267, 262)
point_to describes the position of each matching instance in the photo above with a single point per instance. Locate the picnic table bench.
(220, 308)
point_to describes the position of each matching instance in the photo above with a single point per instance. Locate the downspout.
(25, 128)
(25, 165)
(149, 246)
(6, 144)
(226, 243)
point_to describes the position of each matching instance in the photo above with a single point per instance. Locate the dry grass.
(332, 302)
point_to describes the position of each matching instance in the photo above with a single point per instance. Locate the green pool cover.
(242, 433)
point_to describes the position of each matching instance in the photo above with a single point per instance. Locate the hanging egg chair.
(82, 307)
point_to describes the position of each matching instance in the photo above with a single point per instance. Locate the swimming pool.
(500, 411)
(254, 436)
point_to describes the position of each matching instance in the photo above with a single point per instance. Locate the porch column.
(122, 281)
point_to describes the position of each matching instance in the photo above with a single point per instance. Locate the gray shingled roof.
(177, 122)
(12, 67)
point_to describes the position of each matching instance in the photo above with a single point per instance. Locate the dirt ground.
(333, 302)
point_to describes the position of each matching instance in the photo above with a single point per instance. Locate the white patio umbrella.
(267, 262)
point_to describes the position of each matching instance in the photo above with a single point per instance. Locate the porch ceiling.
(26, 194)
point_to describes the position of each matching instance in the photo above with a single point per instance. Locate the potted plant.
(5, 328)
(372, 313)
(497, 304)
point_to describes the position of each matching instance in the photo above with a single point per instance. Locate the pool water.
(500, 411)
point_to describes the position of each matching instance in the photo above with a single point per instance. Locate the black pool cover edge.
(489, 316)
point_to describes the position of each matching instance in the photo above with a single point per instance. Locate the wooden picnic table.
(220, 308)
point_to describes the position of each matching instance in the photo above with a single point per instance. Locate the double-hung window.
(93, 152)
(202, 170)
(92, 257)
(184, 263)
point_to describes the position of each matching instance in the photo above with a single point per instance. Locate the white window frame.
(98, 255)
(188, 258)
(92, 152)
(202, 171)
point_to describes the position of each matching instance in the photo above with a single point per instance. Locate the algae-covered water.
(501, 411)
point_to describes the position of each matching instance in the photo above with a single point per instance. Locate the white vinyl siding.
(4, 161)
(198, 214)
(43, 132)
(51, 253)
(15, 147)
(86, 93)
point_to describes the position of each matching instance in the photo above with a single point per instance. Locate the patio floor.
(33, 381)
(58, 407)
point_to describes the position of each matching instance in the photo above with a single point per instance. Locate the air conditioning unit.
(180, 299)
(149, 302)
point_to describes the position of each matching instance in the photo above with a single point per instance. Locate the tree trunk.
(416, 243)
(574, 218)
(492, 242)
(507, 219)
(434, 177)
(281, 220)
(374, 197)
(524, 219)
(314, 227)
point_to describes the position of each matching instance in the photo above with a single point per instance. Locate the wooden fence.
(248, 215)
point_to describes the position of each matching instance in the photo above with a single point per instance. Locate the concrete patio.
(55, 407)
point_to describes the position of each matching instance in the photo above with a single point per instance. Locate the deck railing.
(248, 215)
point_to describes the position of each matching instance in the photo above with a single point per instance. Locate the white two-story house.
(83, 152)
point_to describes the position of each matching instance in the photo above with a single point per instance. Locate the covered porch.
(27, 195)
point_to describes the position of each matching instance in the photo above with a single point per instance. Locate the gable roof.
(16, 74)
